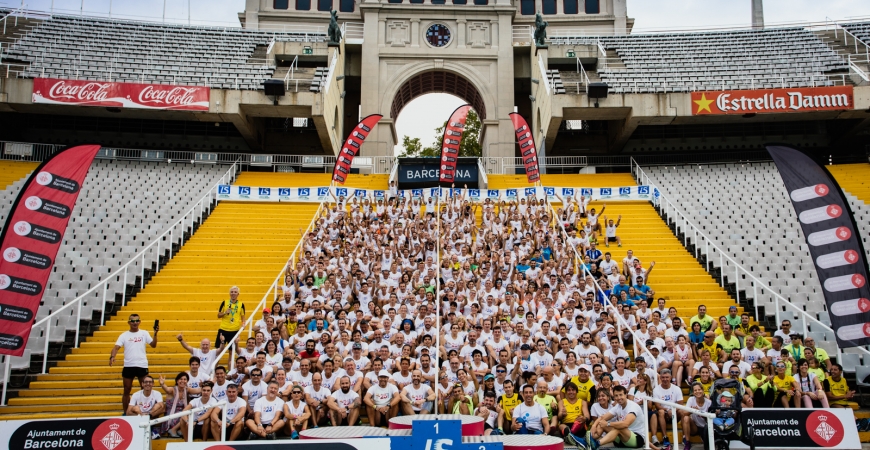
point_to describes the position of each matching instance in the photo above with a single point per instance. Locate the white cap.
(383, 373)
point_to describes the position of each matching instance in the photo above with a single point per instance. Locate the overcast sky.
(421, 116)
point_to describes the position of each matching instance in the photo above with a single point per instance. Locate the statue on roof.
(540, 30)
(334, 30)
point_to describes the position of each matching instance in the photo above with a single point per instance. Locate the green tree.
(469, 146)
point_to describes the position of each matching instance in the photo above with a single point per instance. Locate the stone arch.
(454, 78)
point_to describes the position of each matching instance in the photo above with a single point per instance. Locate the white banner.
(325, 193)
(105, 433)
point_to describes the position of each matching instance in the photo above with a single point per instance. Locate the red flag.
(38, 221)
(351, 146)
(526, 141)
(450, 143)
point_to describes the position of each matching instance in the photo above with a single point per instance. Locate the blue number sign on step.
(438, 435)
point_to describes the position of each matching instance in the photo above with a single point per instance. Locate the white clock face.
(438, 35)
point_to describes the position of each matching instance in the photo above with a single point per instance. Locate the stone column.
(460, 32)
(415, 33)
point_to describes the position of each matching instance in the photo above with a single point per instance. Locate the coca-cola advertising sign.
(120, 95)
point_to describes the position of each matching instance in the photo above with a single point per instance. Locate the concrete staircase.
(847, 46)
(244, 244)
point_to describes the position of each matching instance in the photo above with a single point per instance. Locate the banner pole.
(437, 298)
(7, 369)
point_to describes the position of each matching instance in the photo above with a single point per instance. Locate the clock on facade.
(438, 35)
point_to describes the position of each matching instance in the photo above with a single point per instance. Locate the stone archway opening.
(438, 82)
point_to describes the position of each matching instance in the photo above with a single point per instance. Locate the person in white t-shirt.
(268, 412)
(693, 424)
(344, 404)
(530, 417)
(317, 396)
(623, 424)
(296, 412)
(668, 392)
(417, 398)
(135, 360)
(382, 400)
(205, 353)
(202, 419)
(254, 389)
(236, 411)
(147, 402)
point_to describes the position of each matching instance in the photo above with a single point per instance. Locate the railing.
(674, 407)
(543, 68)
(394, 171)
(353, 32)
(509, 164)
(602, 58)
(275, 286)
(683, 223)
(483, 180)
(330, 74)
(854, 67)
(855, 40)
(581, 70)
(522, 35)
(291, 73)
(146, 426)
(197, 211)
(29, 151)
(617, 314)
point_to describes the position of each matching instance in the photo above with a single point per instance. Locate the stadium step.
(854, 179)
(12, 171)
(185, 296)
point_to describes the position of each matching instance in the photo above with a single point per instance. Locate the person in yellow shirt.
(506, 403)
(584, 383)
(787, 389)
(573, 412)
(837, 390)
(232, 316)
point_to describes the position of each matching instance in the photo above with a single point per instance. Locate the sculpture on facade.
(540, 30)
(334, 30)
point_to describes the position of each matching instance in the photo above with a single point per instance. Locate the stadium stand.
(683, 62)
(861, 30)
(250, 241)
(109, 227)
(100, 49)
(678, 278)
(756, 226)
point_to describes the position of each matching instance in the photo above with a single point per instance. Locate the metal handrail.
(620, 321)
(249, 324)
(681, 220)
(860, 72)
(582, 70)
(122, 272)
(190, 412)
(674, 407)
(291, 73)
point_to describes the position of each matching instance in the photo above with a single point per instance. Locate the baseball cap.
(267, 310)
(357, 345)
(585, 367)
(488, 377)
(655, 347)
(525, 347)
(383, 373)
(639, 359)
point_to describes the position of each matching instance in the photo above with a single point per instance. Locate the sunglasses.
(297, 392)
(500, 371)
(135, 321)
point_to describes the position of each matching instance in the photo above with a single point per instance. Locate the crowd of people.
(534, 333)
